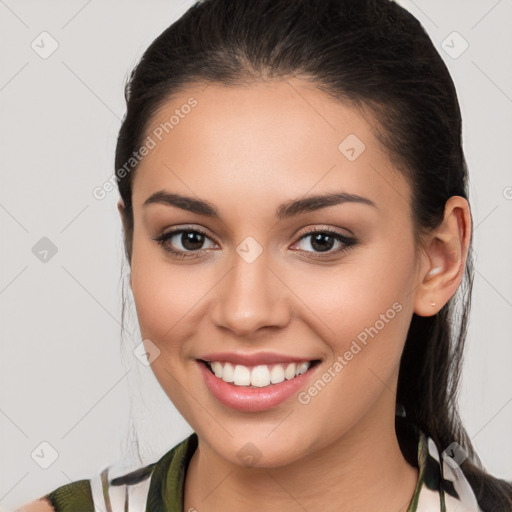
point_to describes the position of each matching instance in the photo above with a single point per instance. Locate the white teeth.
(301, 368)
(242, 375)
(258, 376)
(217, 369)
(290, 371)
(277, 374)
(228, 373)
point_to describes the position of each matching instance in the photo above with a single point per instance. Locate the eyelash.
(347, 242)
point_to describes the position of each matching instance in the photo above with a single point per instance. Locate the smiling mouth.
(258, 376)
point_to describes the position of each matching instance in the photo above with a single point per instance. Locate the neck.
(363, 470)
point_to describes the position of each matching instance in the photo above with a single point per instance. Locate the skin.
(247, 150)
(39, 505)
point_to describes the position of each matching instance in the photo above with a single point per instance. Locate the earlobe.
(445, 251)
(120, 207)
(126, 234)
(122, 213)
(434, 271)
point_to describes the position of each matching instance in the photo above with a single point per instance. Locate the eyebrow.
(284, 211)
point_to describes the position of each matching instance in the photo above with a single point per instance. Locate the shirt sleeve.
(72, 497)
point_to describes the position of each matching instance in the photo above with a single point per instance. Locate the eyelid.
(167, 235)
(323, 229)
(347, 240)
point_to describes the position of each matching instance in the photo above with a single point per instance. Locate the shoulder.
(116, 485)
(39, 505)
(69, 497)
(101, 492)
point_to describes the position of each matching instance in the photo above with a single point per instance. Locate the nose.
(251, 298)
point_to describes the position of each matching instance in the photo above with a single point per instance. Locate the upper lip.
(253, 359)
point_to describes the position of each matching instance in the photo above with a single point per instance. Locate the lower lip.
(252, 399)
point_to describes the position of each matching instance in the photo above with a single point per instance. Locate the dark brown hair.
(370, 53)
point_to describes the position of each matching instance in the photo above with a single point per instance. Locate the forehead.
(266, 140)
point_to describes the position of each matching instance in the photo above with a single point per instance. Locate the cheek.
(362, 311)
(163, 294)
(363, 308)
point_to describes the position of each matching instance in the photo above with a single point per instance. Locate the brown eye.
(323, 241)
(186, 241)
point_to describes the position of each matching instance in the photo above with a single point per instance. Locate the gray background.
(66, 377)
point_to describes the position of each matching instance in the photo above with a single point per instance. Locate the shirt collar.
(442, 485)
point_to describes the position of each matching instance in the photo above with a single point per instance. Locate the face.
(263, 285)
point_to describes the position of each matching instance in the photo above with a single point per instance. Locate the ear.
(444, 259)
(122, 214)
(120, 209)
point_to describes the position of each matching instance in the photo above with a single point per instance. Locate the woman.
(294, 204)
